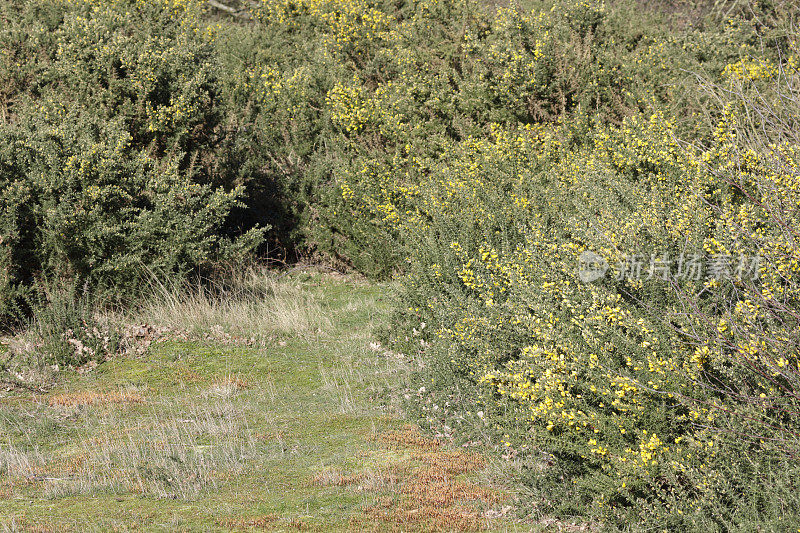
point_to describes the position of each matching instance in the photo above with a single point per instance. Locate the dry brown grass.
(82, 398)
(408, 437)
(188, 375)
(267, 521)
(254, 306)
(232, 381)
(298, 525)
(422, 486)
(29, 526)
(433, 490)
(333, 477)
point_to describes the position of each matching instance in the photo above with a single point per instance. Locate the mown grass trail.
(208, 431)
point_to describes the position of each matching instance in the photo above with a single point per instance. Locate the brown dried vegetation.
(433, 492)
(81, 398)
(260, 522)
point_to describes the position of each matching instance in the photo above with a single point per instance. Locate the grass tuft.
(254, 305)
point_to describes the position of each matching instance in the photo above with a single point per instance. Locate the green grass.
(205, 435)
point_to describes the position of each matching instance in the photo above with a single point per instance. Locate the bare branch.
(240, 13)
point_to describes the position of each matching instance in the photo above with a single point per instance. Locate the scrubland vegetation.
(152, 151)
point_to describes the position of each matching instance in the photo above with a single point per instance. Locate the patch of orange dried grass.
(259, 522)
(75, 399)
(408, 437)
(433, 496)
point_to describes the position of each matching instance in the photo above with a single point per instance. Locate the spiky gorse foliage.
(104, 168)
(408, 83)
(657, 399)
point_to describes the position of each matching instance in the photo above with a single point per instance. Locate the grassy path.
(300, 432)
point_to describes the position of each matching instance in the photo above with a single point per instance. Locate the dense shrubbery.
(114, 115)
(477, 150)
(663, 402)
(639, 393)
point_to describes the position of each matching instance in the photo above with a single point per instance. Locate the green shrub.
(105, 167)
(67, 328)
(663, 403)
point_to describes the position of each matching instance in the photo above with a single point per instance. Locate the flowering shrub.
(651, 399)
(406, 84)
(101, 161)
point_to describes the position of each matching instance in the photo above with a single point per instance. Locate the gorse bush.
(356, 101)
(104, 150)
(666, 402)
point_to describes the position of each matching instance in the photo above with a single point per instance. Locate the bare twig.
(240, 13)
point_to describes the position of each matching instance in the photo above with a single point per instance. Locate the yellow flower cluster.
(750, 70)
